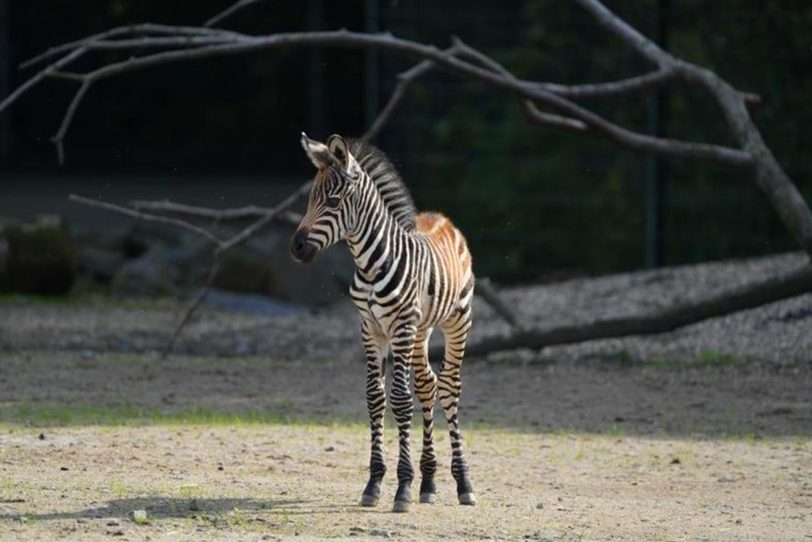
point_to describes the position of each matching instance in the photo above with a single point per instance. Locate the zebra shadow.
(160, 507)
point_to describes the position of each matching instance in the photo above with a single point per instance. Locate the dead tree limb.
(792, 284)
(771, 178)
(229, 11)
(235, 43)
(170, 44)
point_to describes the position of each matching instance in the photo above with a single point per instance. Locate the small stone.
(140, 517)
(112, 523)
(676, 461)
(539, 506)
(330, 449)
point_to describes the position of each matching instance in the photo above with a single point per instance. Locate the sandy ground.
(255, 429)
(271, 482)
(557, 452)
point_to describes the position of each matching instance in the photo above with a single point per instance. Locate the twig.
(146, 29)
(146, 217)
(27, 85)
(190, 310)
(228, 12)
(59, 137)
(533, 114)
(405, 79)
(263, 221)
(217, 215)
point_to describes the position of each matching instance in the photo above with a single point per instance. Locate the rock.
(150, 274)
(139, 517)
(37, 256)
(264, 266)
(100, 264)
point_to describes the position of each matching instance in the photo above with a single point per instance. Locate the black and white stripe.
(413, 273)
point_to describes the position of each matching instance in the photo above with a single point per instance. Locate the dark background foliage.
(535, 203)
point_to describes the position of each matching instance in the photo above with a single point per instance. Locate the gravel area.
(776, 333)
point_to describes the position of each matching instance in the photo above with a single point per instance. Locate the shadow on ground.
(711, 395)
(158, 507)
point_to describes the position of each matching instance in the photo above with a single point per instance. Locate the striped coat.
(413, 273)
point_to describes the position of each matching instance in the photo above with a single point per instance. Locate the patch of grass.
(45, 415)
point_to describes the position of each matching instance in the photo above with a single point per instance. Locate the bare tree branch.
(190, 310)
(405, 79)
(531, 91)
(216, 215)
(771, 178)
(59, 137)
(281, 207)
(629, 85)
(231, 10)
(145, 29)
(533, 114)
(30, 83)
(746, 297)
(485, 289)
(146, 217)
(176, 44)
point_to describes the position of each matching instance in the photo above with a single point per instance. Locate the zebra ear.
(339, 149)
(318, 153)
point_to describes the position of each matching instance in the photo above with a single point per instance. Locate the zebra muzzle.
(301, 248)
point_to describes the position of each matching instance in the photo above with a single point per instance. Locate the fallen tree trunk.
(746, 297)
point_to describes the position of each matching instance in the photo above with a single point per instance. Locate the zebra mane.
(387, 180)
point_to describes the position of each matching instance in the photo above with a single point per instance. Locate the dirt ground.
(255, 430)
(600, 451)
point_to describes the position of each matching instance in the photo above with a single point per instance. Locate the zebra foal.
(413, 272)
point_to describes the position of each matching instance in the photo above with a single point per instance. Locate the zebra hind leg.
(425, 383)
(455, 330)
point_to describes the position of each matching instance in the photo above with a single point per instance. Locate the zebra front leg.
(425, 384)
(375, 347)
(402, 344)
(455, 331)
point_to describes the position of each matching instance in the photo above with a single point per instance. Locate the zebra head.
(329, 212)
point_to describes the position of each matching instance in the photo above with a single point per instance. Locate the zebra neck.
(378, 242)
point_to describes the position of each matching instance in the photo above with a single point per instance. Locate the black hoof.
(369, 500)
(428, 491)
(371, 493)
(403, 497)
(467, 499)
(401, 506)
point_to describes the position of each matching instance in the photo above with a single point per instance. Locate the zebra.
(413, 272)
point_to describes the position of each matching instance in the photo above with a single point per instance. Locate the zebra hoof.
(369, 500)
(467, 499)
(401, 506)
(428, 498)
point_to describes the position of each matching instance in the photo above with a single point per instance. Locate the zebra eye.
(332, 202)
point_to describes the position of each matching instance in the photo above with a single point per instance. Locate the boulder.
(37, 256)
(264, 266)
(151, 274)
